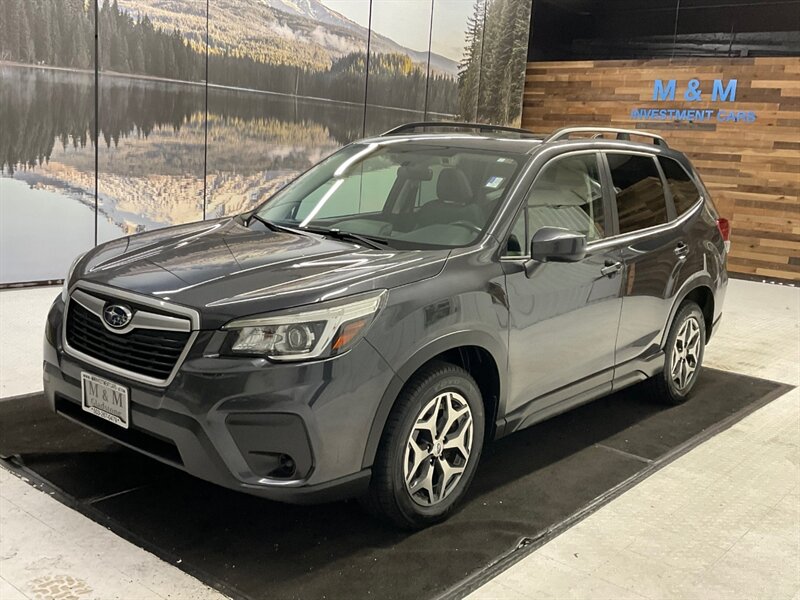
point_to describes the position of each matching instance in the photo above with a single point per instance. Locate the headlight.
(326, 330)
(70, 271)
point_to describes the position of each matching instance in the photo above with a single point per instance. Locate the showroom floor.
(720, 521)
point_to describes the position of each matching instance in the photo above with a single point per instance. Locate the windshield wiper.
(269, 224)
(370, 242)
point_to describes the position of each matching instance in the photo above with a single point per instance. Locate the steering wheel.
(468, 225)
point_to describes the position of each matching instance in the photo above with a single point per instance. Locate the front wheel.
(683, 356)
(430, 448)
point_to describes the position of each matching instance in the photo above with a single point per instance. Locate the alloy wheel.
(685, 354)
(438, 448)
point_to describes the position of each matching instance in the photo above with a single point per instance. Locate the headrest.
(453, 186)
(415, 172)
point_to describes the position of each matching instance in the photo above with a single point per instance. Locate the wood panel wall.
(751, 169)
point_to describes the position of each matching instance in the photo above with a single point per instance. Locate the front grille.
(150, 352)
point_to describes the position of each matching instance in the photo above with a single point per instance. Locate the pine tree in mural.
(492, 74)
(53, 32)
(469, 70)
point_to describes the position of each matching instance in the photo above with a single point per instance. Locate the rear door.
(653, 247)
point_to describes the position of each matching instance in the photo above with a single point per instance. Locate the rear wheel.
(430, 448)
(683, 356)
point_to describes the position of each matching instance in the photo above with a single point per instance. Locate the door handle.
(681, 250)
(612, 266)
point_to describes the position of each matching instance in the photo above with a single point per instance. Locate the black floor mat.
(526, 484)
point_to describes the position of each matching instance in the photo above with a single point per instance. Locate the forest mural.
(202, 113)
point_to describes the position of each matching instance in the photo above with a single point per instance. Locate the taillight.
(724, 227)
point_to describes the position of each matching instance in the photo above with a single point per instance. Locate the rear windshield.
(409, 195)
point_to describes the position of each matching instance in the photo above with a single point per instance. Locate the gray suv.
(365, 331)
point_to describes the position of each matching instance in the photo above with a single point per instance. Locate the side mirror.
(554, 244)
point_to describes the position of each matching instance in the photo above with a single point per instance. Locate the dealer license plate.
(105, 399)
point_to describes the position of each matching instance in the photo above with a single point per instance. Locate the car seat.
(455, 201)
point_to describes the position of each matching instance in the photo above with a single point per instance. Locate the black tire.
(663, 386)
(388, 497)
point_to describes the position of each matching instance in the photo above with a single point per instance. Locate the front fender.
(435, 347)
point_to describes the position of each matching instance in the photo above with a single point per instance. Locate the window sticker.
(494, 182)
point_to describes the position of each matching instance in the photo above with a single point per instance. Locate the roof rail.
(483, 127)
(622, 134)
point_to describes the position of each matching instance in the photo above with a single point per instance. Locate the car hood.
(227, 270)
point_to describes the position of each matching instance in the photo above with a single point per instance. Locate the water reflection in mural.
(276, 125)
(151, 173)
(287, 85)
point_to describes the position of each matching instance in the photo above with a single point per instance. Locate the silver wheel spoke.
(675, 362)
(427, 420)
(424, 482)
(460, 441)
(416, 455)
(690, 369)
(448, 472)
(453, 415)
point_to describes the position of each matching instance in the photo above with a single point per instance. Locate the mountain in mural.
(303, 33)
(311, 9)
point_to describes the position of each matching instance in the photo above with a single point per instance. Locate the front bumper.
(294, 432)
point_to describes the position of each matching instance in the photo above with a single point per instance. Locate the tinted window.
(640, 195)
(684, 192)
(568, 194)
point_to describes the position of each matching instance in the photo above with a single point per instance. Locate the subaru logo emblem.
(117, 315)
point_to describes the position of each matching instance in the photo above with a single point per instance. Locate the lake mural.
(184, 114)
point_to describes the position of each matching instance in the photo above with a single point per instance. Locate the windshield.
(407, 195)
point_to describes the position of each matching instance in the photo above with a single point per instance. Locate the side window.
(517, 244)
(640, 195)
(568, 194)
(684, 192)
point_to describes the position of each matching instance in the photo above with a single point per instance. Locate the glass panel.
(152, 114)
(398, 63)
(284, 94)
(640, 195)
(451, 45)
(684, 192)
(568, 194)
(46, 124)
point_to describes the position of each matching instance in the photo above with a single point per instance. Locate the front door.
(563, 316)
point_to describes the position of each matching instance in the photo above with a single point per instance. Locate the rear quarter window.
(684, 191)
